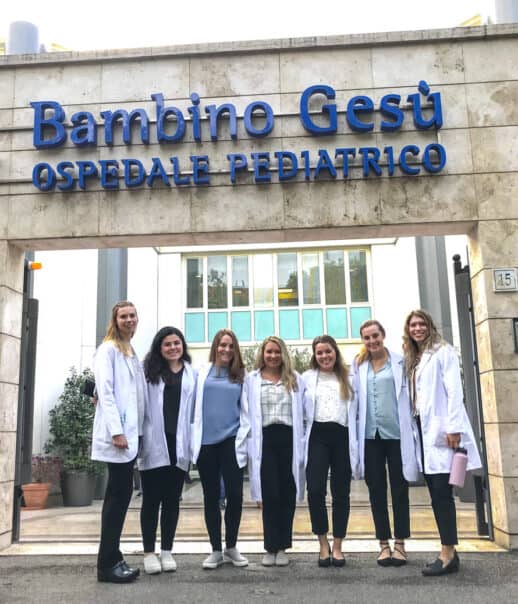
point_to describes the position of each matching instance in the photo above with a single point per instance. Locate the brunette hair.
(288, 377)
(364, 354)
(236, 369)
(339, 369)
(410, 347)
(112, 331)
(155, 366)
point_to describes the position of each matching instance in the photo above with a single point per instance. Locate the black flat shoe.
(338, 562)
(120, 573)
(437, 568)
(134, 571)
(325, 562)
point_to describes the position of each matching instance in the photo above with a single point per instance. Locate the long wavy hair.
(339, 369)
(112, 331)
(411, 350)
(236, 369)
(155, 366)
(364, 354)
(288, 377)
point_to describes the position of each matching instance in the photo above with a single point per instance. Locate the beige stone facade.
(474, 69)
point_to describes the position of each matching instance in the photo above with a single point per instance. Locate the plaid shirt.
(275, 404)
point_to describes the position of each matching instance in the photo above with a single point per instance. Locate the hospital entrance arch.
(360, 194)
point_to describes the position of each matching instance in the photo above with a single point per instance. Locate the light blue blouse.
(221, 400)
(382, 412)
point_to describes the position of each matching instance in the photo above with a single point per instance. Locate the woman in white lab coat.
(383, 435)
(329, 393)
(276, 445)
(118, 422)
(219, 447)
(432, 366)
(166, 443)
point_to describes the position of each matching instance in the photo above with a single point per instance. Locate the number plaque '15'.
(505, 280)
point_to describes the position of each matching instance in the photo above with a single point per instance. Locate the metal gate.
(23, 459)
(476, 488)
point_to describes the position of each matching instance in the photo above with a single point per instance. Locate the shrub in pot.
(70, 427)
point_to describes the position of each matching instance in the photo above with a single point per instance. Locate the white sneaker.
(232, 555)
(152, 564)
(281, 558)
(168, 562)
(268, 559)
(213, 561)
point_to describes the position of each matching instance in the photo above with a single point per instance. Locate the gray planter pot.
(101, 482)
(77, 488)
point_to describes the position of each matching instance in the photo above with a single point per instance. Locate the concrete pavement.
(484, 578)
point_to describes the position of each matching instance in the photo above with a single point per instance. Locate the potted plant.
(44, 470)
(71, 422)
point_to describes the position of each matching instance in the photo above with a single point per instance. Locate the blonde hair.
(288, 377)
(410, 348)
(112, 331)
(236, 369)
(339, 369)
(364, 354)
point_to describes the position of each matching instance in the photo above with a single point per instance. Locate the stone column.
(11, 297)
(494, 244)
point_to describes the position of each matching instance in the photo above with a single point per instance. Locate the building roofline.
(396, 38)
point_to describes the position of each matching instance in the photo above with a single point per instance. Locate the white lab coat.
(410, 447)
(255, 442)
(441, 409)
(116, 411)
(154, 452)
(310, 378)
(197, 428)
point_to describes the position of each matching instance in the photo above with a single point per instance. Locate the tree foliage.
(71, 422)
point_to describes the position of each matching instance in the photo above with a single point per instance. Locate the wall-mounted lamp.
(34, 266)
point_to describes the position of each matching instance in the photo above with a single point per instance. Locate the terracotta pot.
(35, 495)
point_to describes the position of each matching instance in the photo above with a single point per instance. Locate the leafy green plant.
(249, 353)
(71, 422)
(300, 357)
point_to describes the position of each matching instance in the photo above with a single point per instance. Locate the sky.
(105, 24)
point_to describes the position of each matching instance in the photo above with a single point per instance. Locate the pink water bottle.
(458, 467)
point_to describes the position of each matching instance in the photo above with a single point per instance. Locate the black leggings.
(215, 461)
(160, 486)
(329, 449)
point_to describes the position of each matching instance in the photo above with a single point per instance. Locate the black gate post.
(472, 395)
(24, 429)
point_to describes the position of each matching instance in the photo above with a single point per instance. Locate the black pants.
(443, 504)
(328, 450)
(278, 488)
(215, 461)
(378, 454)
(115, 506)
(160, 486)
